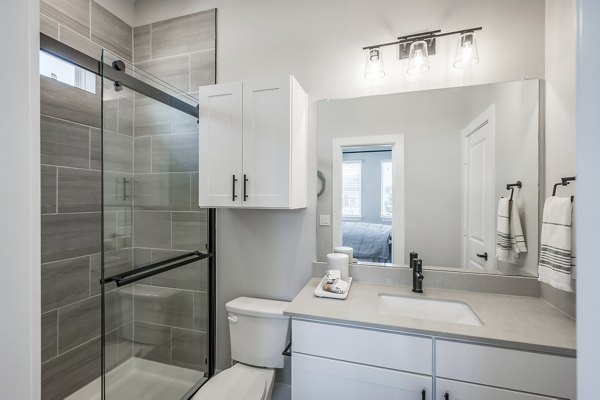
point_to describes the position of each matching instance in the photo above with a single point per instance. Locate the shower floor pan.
(137, 378)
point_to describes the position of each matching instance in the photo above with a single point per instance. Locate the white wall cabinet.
(331, 360)
(253, 144)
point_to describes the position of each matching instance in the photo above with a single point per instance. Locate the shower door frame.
(82, 60)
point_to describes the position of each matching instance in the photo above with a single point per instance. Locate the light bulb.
(466, 52)
(418, 58)
(374, 68)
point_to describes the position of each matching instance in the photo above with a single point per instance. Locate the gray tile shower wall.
(167, 222)
(71, 208)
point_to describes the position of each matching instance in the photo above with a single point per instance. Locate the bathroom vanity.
(464, 346)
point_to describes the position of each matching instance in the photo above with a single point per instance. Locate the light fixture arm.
(422, 36)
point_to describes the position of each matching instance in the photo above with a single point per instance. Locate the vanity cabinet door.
(317, 378)
(220, 145)
(518, 370)
(453, 390)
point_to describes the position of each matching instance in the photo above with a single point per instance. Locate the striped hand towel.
(555, 266)
(510, 241)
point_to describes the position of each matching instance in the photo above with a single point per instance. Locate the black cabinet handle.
(484, 256)
(245, 182)
(233, 184)
(423, 394)
(446, 396)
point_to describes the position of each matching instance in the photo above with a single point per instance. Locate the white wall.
(561, 29)
(320, 41)
(269, 253)
(20, 203)
(588, 193)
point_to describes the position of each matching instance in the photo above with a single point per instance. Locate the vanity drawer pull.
(484, 256)
(423, 394)
(446, 396)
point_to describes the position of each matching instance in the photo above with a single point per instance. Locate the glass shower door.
(156, 261)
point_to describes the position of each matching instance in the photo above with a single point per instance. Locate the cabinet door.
(267, 145)
(317, 378)
(220, 130)
(467, 391)
(507, 368)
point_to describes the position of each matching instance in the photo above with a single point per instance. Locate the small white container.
(340, 262)
(345, 250)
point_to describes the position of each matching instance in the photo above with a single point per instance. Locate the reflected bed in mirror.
(428, 172)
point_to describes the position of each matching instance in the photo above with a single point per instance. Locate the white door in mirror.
(478, 193)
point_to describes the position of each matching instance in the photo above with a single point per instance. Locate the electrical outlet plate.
(324, 220)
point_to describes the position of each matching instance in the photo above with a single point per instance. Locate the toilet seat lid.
(234, 384)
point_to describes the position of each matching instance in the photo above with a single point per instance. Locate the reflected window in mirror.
(351, 189)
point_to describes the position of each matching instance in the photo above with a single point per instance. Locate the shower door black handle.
(233, 184)
(245, 182)
(156, 268)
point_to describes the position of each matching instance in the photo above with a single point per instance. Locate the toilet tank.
(258, 331)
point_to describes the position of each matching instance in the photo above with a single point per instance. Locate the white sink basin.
(430, 309)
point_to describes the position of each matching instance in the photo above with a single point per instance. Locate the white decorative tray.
(319, 292)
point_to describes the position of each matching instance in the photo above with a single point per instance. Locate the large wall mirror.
(433, 172)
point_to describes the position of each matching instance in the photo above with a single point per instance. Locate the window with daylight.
(387, 204)
(65, 72)
(351, 188)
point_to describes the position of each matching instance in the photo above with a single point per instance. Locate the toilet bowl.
(258, 334)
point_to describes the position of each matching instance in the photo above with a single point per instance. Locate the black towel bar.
(147, 271)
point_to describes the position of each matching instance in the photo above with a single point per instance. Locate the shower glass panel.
(155, 266)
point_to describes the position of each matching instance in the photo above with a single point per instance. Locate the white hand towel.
(555, 266)
(510, 241)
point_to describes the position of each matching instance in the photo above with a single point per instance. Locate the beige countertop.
(527, 323)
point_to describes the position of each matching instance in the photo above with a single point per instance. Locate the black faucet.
(413, 256)
(417, 266)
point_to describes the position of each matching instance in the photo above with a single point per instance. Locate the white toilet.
(258, 334)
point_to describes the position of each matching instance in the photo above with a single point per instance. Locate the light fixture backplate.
(404, 48)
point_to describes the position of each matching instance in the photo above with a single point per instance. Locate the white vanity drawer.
(315, 378)
(467, 391)
(382, 349)
(512, 369)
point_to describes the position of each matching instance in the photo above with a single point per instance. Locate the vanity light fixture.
(418, 47)
(374, 68)
(418, 60)
(466, 51)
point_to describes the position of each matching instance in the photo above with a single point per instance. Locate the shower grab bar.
(147, 271)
